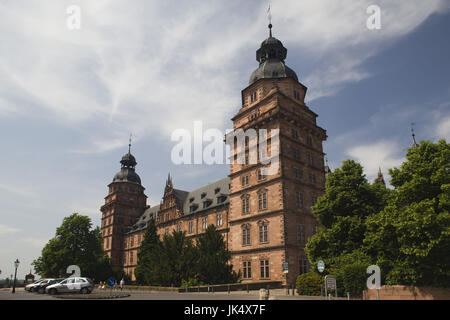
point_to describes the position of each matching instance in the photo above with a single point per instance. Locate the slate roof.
(217, 193)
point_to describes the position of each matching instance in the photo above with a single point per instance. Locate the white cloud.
(154, 66)
(443, 128)
(7, 230)
(384, 154)
(36, 243)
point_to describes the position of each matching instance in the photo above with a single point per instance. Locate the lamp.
(16, 264)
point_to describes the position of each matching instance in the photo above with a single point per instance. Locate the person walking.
(122, 282)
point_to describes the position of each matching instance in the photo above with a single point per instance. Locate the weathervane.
(269, 16)
(413, 135)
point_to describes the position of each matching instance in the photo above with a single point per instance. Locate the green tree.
(348, 200)
(75, 243)
(212, 264)
(148, 268)
(177, 259)
(410, 238)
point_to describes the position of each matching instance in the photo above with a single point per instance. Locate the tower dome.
(127, 173)
(271, 56)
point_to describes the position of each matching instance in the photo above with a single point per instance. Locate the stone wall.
(408, 293)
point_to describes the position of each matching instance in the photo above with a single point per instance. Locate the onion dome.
(127, 173)
(271, 58)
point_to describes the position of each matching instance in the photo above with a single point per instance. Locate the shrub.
(308, 284)
(352, 278)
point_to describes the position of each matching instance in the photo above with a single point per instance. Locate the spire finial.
(129, 145)
(413, 135)
(269, 16)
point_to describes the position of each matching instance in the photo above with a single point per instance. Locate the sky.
(69, 98)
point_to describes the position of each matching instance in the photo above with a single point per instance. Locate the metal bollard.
(364, 294)
(293, 290)
(228, 289)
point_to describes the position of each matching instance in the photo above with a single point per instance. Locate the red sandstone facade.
(266, 220)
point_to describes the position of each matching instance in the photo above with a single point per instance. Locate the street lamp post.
(16, 264)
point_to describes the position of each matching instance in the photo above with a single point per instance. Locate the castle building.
(265, 219)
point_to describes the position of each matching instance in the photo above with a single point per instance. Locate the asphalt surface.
(21, 294)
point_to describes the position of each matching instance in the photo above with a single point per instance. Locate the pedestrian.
(122, 282)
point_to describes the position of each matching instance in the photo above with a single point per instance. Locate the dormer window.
(191, 200)
(206, 204)
(217, 190)
(193, 207)
(253, 97)
(203, 195)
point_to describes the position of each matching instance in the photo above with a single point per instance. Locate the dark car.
(41, 286)
(30, 287)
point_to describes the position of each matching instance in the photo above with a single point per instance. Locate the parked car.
(31, 286)
(40, 287)
(73, 284)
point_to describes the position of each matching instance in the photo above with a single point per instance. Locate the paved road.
(134, 295)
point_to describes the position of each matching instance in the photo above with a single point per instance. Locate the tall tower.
(270, 214)
(124, 204)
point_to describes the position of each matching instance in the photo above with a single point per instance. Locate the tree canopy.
(175, 259)
(405, 231)
(75, 243)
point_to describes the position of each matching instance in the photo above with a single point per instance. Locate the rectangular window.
(296, 153)
(302, 264)
(246, 204)
(264, 269)
(262, 201)
(204, 223)
(219, 219)
(132, 241)
(301, 233)
(245, 180)
(246, 236)
(263, 234)
(191, 227)
(247, 274)
(261, 174)
(298, 199)
(298, 173)
(310, 159)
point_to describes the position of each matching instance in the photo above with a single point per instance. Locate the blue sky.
(69, 99)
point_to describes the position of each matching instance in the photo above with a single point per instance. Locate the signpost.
(111, 283)
(330, 284)
(321, 266)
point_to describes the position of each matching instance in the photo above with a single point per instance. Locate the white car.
(72, 284)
